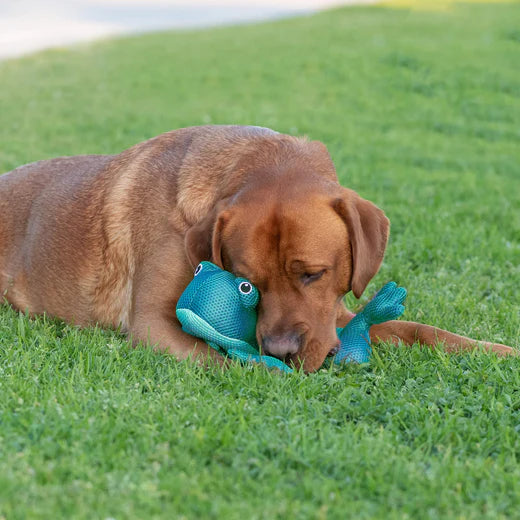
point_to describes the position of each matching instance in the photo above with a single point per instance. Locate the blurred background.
(31, 25)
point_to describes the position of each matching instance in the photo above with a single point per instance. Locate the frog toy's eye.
(247, 292)
(245, 287)
(207, 267)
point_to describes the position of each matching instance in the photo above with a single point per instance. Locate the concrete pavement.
(30, 25)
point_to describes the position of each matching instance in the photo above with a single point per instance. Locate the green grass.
(421, 113)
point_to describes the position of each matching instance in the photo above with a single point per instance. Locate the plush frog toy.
(220, 308)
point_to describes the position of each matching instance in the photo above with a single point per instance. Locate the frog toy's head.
(219, 308)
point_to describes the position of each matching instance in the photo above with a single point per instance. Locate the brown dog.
(113, 239)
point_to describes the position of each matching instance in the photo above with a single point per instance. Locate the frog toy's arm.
(386, 305)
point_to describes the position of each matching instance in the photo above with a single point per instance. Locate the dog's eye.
(245, 287)
(198, 269)
(308, 278)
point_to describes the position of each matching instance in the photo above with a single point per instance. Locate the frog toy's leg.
(355, 338)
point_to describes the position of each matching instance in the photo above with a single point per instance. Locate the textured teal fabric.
(386, 305)
(218, 298)
(220, 308)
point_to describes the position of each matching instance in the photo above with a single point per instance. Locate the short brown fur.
(113, 240)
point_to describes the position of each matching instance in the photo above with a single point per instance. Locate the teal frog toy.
(220, 308)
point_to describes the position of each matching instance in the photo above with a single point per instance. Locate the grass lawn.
(421, 113)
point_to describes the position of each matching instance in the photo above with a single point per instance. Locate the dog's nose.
(282, 345)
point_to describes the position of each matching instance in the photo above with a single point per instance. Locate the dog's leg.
(153, 321)
(159, 282)
(409, 333)
(165, 334)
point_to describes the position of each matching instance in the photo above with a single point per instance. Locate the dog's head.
(304, 245)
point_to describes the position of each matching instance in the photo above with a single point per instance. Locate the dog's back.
(72, 228)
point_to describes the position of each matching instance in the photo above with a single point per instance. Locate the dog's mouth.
(333, 351)
(299, 358)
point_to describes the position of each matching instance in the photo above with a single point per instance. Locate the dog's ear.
(368, 230)
(203, 240)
